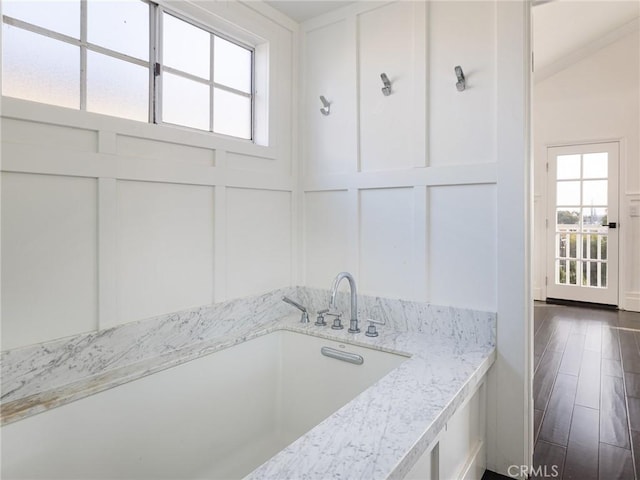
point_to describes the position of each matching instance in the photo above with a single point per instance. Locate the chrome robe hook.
(326, 106)
(462, 82)
(386, 90)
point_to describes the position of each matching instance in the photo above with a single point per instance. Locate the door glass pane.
(186, 47)
(573, 246)
(231, 114)
(594, 192)
(59, 16)
(561, 271)
(603, 275)
(185, 102)
(595, 165)
(594, 247)
(231, 65)
(568, 216)
(568, 193)
(122, 26)
(116, 87)
(568, 167)
(594, 217)
(573, 277)
(39, 68)
(562, 245)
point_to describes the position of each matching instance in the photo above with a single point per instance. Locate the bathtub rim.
(34, 404)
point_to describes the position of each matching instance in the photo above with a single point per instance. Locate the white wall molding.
(510, 418)
(107, 253)
(428, 176)
(43, 160)
(24, 110)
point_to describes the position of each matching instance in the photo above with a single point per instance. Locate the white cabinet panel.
(165, 248)
(330, 141)
(392, 128)
(49, 257)
(387, 242)
(258, 241)
(327, 236)
(462, 247)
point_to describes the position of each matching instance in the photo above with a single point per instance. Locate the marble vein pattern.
(35, 369)
(464, 326)
(380, 434)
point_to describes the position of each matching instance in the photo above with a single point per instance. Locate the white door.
(582, 228)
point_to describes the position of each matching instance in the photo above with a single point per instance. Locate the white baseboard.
(631, 302)
(537, 294)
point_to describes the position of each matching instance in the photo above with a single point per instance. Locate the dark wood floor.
(586, 392)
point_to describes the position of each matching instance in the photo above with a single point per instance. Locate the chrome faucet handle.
(371, 329)
(320, 321)
(337, 322)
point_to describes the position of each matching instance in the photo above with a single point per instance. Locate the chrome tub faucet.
(353, 324)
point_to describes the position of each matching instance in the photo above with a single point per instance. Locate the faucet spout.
(353, 324)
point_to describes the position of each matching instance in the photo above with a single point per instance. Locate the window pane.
(568, 216)
(39, 68)
(186, 47)
(594, 192)
(568, 166)
(595, 165)
(594, 217)
(121, 26)
(185, 102)
(573, 272)
(116, 87)
(231, 65)
(568, 193)
(59, 16)
(231, 114)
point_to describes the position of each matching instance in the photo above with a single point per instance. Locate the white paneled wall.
(387, 263)
(419, 199)
(106, 221)
(462, 126)
(326, 236)
(387, 208)
(258, 241)
(391, 40)
(49, 257)
(329, 59)
(164, 255)
(466, 230)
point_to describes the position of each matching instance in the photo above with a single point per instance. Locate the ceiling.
(562, 27)
(302, 10)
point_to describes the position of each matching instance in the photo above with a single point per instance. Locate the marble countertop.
(379, 434)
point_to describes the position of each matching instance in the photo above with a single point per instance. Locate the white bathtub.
(219, 416)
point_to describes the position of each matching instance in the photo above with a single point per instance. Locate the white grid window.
(131, 59)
